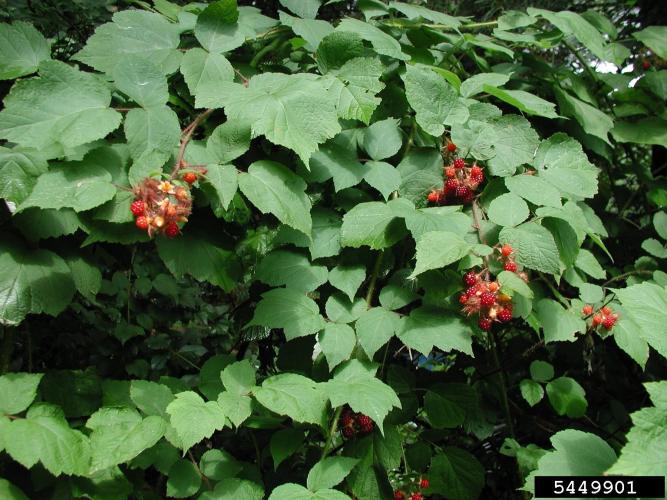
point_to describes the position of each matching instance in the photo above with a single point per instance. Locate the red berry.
(365, 424)
(476, 171)
(597, 319)
(488, 299)
(189, 177)
(171, 230)
(646, 64)
(463, 192)
(609, 322)
(348, 432)
(141, 222)
(504, 315)
(463, 298)
(605, 311)
(470, 278)
(451, 185)
(506, 250)
(423, 483)
(587, 310)
(451, 147)
(459, 163)
(450, 172)
(510, 266)
(399, 495)
(485, 324)
(433, 197)
(416, 496)
(138, 207)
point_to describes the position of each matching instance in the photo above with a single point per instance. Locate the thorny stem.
(332, 432)
(625, 275)
(186, 135)
(374, 277)
(204, 478)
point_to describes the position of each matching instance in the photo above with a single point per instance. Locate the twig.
(201, 474)
(374, 277)
(625, 275)
(186, 135)
(332, 432)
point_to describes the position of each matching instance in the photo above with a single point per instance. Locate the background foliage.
(313, 279)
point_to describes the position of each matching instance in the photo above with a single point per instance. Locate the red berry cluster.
(416, 495)
(461, 182)
(352, 423)
(605, 316)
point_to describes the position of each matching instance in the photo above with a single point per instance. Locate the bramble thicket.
(367, 250)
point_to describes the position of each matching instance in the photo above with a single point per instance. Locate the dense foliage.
(401, 254)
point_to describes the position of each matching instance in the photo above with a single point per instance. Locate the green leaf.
(148, 130)
(421, 171)
(576, 453)
(347, 279)
(654, 38)
(508, 210)
(19, 170)
(237, 408)
(233, 488)
(45, 436)
(337, 158)
(375, 327)
(426, 327)
(383, 177)
(337, 342)
(284, 443)
(567, 397)
(442, 411)
(229, 141)
(216, 28)
(541, 371)
(475, 84)
(394, 297)
(203, 71)
(280, 107)
(210, 383)
(587, 262)
(434, 100)
(628, 339)
(17, 391)
(654, 248)
(509, 281)
(646, 305)
(330, 472)
(184, 479)
(457, 474)
(524, 101)
(218, 464)
(372, 224)
(652, 130)
(534, 246)
(273, 188)
(306, 9)
(150, 397)
(383, 139)
(326, 233)
(561, 162)
(531, 391)
(591, 119)
(86, 275)
(383, 43)
(660, 224)
(341, 310)
(439, 219)
(413, 11)
(338, 48)
(295, 396)
(22, 49)
(220, 184)
(558, 324)
(514, 142)
(193, 419)
(355, 384)
(133, 32)
(291, 310)
(311, 30)
(534, 189)
(61, 107)
(239, 377)
(141, 81)
(437, 249)
(291, 491)
(11, 492)
(292, 269)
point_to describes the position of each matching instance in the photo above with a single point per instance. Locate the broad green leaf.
(311, 30)
(394, 297)
(340, 309)
(19, 170)
(292, 269)
(210, 383)
(86, 275)
(475, 84)
(443, 409)
(11, 492)
(45, 436)
(654, 247)
(326, 233)
(439, 219)
(531, 391)
(514, 142)
(383, 43)
(237, 408)
(217, 29)
(512, 19)
(220, 184)
(434, 100)
(413, 11)
(203, 72)
(337, 159)
(660, 224)
(575, 453)
(194, 419)
(652, 130)
(61, 107)
(32, 282)
(77, 393)
(347, 279)
(355, 384)
(148, 130)
(508, 210)
(375, 327)
(22, 49)
(218, 464)
(338, 48)
(534, 189)
(591, 119)
(306, 9)
(383, 139)
(273, 188)
(421, 171)
(280, 107)
(646, 305)
(17, 391)
(133, 32)
(437, 249)
(628, 339)
(232, 488)
(330, 472)
(372, 224)
(141, 81)
(295, 396)
(291, 491)
(239, 377)
(654, 38)
(184, 480)
(291, 310)
(284, 443)
(557, 323)
(383, 177)
(150, 397)
(561, 162)
(567, 397)
(476, 139)
(337, 342)
(509, 281)
(427, 327)
(229, 141)
(524, 101)
(457, 474)
(534, 246)
(541, 371)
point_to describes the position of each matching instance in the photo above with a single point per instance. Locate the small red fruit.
(189, 177)
(416, 496)
(597, 319)
(459, 163)
(399, 495)
(433, 197)
(451, 147)
(171, 230)
(605, 311)
(510, 266)
(138, 207)
(463, 192)
(470, 278)
(451, 185)
(646, 64)
(504, 315)
(348, 432)
(450, 172)
(493, 286)
(476, 174)
(587, 310)
(506, 250)
(463, 298)
(365, 424)
(423, 483)
(488, 299)
(141, 222)
(609, 322)
(485, 324)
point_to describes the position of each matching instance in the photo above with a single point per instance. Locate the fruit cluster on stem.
(460, 184)
(160, 206)
(352, 424)
(422, 484)
(604, 317)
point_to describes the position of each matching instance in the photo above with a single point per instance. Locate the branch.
(186, 135)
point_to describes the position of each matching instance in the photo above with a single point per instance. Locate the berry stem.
(374, 277)
(332, 432)
(502, 377)
(186, 135)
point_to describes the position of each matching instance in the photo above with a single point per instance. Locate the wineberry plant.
(368, 253)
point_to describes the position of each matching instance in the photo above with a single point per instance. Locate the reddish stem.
(186, 136)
